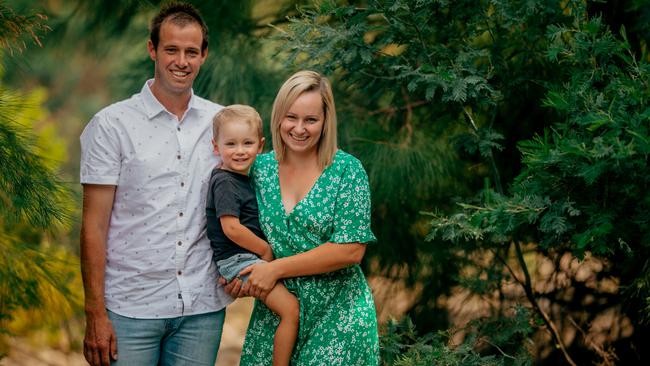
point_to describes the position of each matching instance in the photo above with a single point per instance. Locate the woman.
(314, 205)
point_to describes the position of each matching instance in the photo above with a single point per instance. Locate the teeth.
(180, 73)
(299, 138)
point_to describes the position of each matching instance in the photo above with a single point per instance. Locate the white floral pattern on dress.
(338, 323)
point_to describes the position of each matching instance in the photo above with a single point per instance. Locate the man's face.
(178, 57)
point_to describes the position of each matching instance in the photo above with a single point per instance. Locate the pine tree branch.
(393, 110)
(530, 294)
(485, 339)
(609, 358)
(493, 166)
(407, 119)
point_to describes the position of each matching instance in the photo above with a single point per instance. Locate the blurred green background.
(506, 144)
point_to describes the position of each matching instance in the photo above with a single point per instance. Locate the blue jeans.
(186, 340)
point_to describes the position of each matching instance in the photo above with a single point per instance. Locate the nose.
(182, 59)
(300, 126)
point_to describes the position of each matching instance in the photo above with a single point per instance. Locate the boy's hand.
(267, 254)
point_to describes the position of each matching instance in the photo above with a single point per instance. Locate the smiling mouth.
(181, 74)
(300, 139)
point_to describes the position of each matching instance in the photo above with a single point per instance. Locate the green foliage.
(541, 116)
(520, 124)
(433, 88)
(491, 342)
(31, 278)
(584, 182)
(29, 189)
(34, 202)
(16, 28)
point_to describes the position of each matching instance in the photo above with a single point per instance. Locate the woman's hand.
(261, 280)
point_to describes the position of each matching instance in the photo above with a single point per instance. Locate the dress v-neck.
(311, 189)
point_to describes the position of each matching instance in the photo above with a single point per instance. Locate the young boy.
(233, 225)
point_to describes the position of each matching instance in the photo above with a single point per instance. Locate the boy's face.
(238, 145)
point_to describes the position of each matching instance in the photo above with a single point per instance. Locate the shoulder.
(117, 112)
(206, 105)
(219, 176)
(222, 182)
(266, 158)
(108, 121)
(262, 169)
(345, 161)
(263, 162)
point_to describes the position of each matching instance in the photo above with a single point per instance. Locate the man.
(149, 280)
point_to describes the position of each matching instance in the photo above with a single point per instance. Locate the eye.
(229, 143)
(291, 117)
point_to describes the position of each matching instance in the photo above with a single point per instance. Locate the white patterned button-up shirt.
(159, 260)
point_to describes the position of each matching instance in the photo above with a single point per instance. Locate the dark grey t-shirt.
(230, 194)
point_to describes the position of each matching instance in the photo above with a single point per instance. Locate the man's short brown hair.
(181, 14)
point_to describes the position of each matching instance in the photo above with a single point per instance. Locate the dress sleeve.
(100, 153)
(352, 209)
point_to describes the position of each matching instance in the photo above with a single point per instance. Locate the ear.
(262, 141)
(151, 49)
(215, 147)
(204, 55)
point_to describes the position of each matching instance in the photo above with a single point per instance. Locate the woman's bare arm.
(325, 258)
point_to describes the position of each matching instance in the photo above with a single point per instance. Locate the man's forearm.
(93, 265)
(97, 208)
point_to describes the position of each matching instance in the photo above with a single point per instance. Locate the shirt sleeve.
(100, 153)
(352, 210)
(226, 198)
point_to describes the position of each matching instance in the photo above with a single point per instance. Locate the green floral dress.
(338, 323)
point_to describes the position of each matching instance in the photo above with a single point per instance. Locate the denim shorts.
(230, 267)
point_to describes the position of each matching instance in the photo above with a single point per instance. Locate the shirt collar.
(153, 106)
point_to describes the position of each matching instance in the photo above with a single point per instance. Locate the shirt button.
(178, 128)
(182, 184)
(180, 273)
(178, 157)
(180, 243)
(180, 214)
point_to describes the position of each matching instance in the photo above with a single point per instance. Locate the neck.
(299, 160)
(174, 103)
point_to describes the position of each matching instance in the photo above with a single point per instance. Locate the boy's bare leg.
(283, 303)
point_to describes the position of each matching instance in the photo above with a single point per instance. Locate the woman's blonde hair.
(299, 83)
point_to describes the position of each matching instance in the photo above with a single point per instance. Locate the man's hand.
(100, 342)
(233, 288)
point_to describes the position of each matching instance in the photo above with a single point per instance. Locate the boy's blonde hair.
(299, 83)
(240, 112)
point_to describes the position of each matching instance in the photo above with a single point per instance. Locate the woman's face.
(302, 125)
